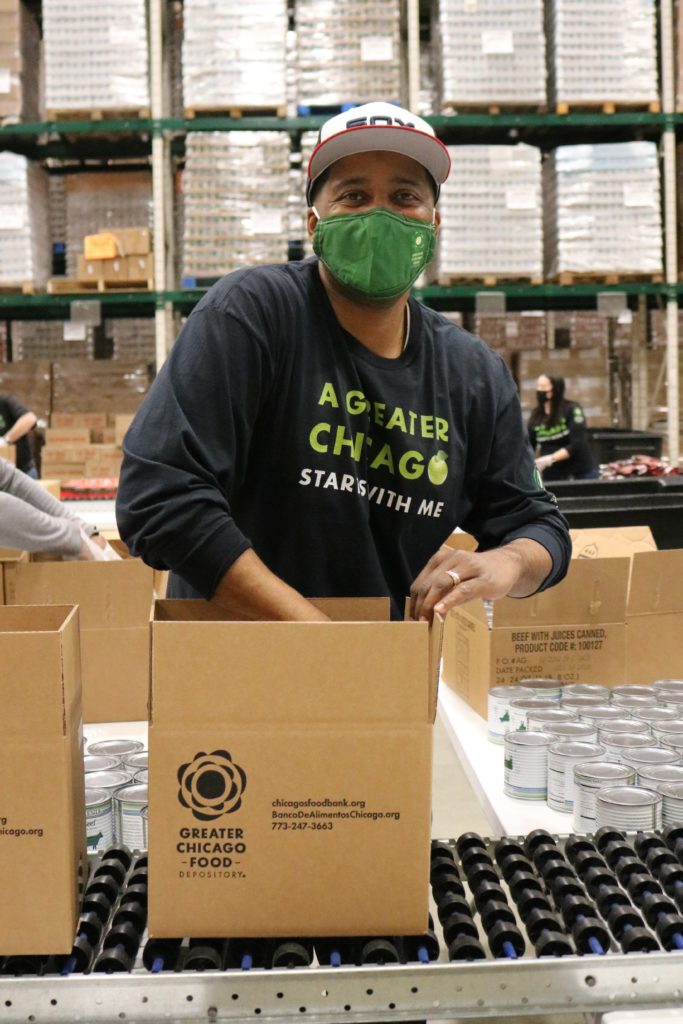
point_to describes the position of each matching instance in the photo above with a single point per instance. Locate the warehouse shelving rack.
(159, 137)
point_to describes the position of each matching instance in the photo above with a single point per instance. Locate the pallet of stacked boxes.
(96, 58)
(20, 56)
(235, 193)
(491, 209)
(591, 44)
(24, 233)
(234, 57)
(586, 372)
(491, 56)
(51, 339)
(30, 380)
(602, 212)
(118, 257)
(508, 333)
(131, 338)
(347, 53)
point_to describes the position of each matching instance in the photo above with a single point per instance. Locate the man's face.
(364, 181)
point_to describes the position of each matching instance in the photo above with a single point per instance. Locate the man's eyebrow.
(363, 180)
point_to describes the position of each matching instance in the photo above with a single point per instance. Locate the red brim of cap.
(425, 149)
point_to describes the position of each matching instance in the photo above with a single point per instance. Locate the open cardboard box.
(290, 772)
(114, 600)
(42, 815)
(614, 619)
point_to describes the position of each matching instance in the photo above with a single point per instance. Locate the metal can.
(630, 690)
(536, 721)
(99, 829)
(142, 776)
(525, 775)
(585, 690)
(672, 685)
(650, 755)
(629, 808)
(663, 729)
(589, 779)
(137, 761)
(600, 715)
(633, 703)
(654, 715)
(668, 699)
(584, 731)
(110, 781)
(626, 725)
(520, 708)
(550, 688)
(617, 743)
(673, 741)
(119, 748)
(583, 702)
(130, 826)
(99, 763)
(499, 710)
(562, 756)
(651, 774)
(672, 802)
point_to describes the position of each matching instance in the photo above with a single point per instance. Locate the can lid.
(135, 793)
(528, 739)
(661, 772)
(674, 789)
(652, 755)
(632, 690)
(606, 770)
(96, 796)
(576, 748)
(115, 746)
(627, 740)
(100, 762)
(629, 796)
(107, 780)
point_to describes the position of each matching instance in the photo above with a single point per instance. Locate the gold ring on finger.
(454, 576)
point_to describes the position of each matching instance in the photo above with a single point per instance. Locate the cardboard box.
(275, 750)
(42, 818)
(91, 420)
(654, 621)
(122, 424)
(101, 246)
(115, 270)
(52, 487)
(140, 268)
(8, 556)
(88, 269)
(587, 629)
(114, 600)
(135, 241)
(67, 435)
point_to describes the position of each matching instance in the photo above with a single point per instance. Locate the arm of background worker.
(517, 569)
(14, 482)
(22, 426)
(249, 589)
(543, 461)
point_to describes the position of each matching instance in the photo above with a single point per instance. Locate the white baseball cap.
(378, 126)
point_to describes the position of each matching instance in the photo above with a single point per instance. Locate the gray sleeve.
(13, 481)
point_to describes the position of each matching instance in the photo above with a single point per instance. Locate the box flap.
(289, 671)
(594, 590)
(108, 593)
(656, 582)
(617, 542)
(435, 648)
(40, 669)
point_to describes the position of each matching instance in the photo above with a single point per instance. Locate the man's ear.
(311, 221)
(437, 223)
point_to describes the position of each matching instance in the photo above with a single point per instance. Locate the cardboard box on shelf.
(305, 749)
(104, 463)
(122, 423)
(61, 436)
(41, 764)
(98, 247)
(115, 599)
(135, 241)
(115, 269)
(91, 420)
(88, 269)
(140, 268)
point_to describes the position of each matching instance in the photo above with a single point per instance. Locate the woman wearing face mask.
(557, 429)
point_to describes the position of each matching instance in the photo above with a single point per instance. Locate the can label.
(132, 827)
(99, 822)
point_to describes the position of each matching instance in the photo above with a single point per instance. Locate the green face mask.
(378, 253)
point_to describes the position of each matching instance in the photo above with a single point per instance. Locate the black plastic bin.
(612, 443)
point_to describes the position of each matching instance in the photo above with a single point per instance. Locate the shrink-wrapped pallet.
(234, 54)
(51, 339)
(602, 209)
(490, 53)
(95, 55)
(96, 201)
(235, 192)
(491, 211)
(24, 230)
(20, 57)
(602, 51)
(348, 52)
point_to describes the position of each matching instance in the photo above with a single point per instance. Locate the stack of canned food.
(609, 756)
(116, 794)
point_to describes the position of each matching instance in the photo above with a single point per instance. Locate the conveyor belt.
(558, 924)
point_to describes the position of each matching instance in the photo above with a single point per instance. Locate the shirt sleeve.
(510, 502)
(15, 408)
(576, 424)
(187, 449)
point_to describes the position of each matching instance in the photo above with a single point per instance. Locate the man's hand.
(515, 570)
(543, 462)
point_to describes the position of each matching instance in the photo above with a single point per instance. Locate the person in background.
(557, 429)
(32, 520)
(16, 423)
(318, 432)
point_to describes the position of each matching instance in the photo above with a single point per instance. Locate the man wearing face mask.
(317, 432)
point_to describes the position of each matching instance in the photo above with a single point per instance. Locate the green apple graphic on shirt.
(437, 468)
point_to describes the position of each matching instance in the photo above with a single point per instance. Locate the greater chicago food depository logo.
(211, 785)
